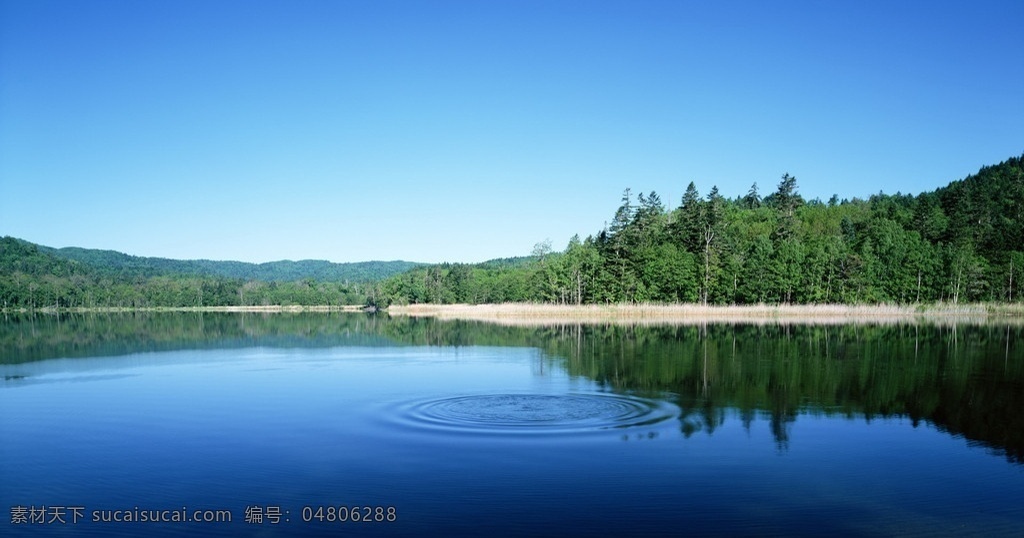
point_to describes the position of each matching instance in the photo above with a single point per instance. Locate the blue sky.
(463, 131)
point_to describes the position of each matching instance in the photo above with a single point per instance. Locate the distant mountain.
(115, 263)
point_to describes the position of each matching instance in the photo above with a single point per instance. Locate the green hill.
(109, 262)
(34, 276)
(960, 243)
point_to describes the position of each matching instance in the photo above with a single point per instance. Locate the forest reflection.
(966, 380)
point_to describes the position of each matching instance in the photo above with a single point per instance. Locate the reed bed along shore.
(688, 314)
(535, 314)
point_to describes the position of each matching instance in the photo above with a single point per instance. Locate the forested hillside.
(33, 276)
(114, 263)
(962, 242)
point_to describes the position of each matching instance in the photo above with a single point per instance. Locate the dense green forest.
(963, 242)
(112, 263)
(960, 243)
(34, 276)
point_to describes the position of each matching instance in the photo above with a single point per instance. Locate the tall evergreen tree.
(752, 200)
(687, 223)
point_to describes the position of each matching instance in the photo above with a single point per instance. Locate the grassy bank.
(543, 314)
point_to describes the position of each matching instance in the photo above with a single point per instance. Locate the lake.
(309, 424)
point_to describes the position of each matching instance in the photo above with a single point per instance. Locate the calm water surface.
(459, 429)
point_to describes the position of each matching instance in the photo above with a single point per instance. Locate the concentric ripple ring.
(535, 413)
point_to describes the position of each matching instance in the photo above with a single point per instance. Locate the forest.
(111, 262)
(960, 243)
(35, 277)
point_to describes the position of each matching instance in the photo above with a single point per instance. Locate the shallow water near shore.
(427, 427)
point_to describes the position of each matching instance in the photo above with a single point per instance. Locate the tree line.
(960, 243)
(33, 277)
(113, 263)
(963, 242)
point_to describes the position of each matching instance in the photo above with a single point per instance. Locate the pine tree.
(752, 200)
(687, 226)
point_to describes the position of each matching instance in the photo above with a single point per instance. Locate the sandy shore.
(688, 314)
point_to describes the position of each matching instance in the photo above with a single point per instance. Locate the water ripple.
(534, 413)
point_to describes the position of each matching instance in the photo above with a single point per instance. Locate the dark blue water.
(471, 440)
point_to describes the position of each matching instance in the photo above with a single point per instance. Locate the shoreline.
(534, 314)
(127, 309)
(691, 314)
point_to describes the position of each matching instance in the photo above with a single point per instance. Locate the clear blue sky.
(463, 131)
